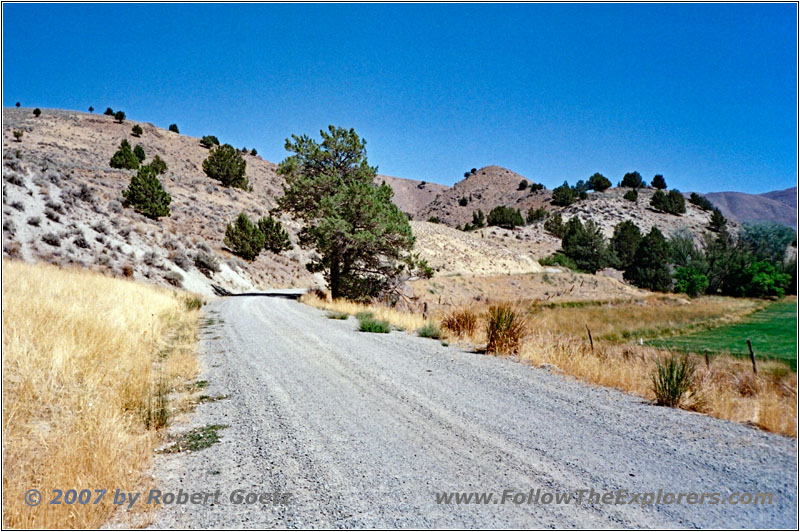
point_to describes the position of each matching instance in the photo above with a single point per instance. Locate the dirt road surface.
(365, 429)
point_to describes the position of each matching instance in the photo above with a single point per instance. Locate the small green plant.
(371, 325)
(363, 315)
(18, 135)
(559, 259)
(193, 303)
(174, 128)
(196, 440)
(430, 330)
(336, 315)
(137, 130)
(672, 378)
(505, 330)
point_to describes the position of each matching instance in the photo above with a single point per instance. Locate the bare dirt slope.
(410, 195)
(487, 188)
(64, 152)
(364, 429)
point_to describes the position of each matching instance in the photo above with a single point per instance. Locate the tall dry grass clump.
(505, 329)
(672, 378)
(87, 364)
(461, 322)
(399, 319)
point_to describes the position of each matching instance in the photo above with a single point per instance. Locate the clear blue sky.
(704, 94)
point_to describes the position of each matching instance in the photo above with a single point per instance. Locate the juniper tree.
(146, 194)
(659, 182)
(226, 165)
(158, 165)
(624, 242)
(138, 151)
(174, 128)
(124, 157)
(632, 180)
(650, 266)
(276, 239)
(136, 130)
(244, 238)
(37, 112)
(598, 182)
(585, 244)
(120, 116)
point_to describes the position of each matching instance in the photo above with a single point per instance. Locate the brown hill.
(778, 206)
(410, 195)
(485, 189)
(62, 204)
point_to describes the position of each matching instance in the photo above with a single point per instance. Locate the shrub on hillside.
(506, 217)
(463, 201)
(672, 203)
(762, 279)
(109, 111)
(555, 225)
(672, 378)
(701, 201)
(206, 262)
(632, 180)
(226, 165)
(120, 116)
(244, 238)
(536, 215)
(138, 151)
(505, 330)
(209, 141)
(37, 112)
(174, 128)
(536, 187)
(659, 182)
(559, 259)
(564, 195)
(598, 182)
(276, 239)
(137, 130)
(631, 195)
(717, 222)
(585, 244)
(522, 185)
(158, 165)
(124, 157)
(18, 135)
(146, 194)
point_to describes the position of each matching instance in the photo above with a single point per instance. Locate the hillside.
(779, 206)
(62, 204)
(410, 195)
(485, 189)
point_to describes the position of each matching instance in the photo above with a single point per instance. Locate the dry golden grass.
(83, 357)
(727, 389)
(397, 318)
(654, 316)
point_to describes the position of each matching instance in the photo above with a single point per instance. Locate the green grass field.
(773, 332)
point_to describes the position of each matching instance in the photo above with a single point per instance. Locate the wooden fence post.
(708, 364)
(591, 342)
(752, 356)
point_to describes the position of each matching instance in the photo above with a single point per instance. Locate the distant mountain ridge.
(779, 206)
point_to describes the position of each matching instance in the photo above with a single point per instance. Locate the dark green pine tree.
(146, 194)
(585, 245)
(650, 266)
(244, 238)
(625, 241)
(276, 239)
(124, 158)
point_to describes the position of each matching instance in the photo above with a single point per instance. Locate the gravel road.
(364, 429)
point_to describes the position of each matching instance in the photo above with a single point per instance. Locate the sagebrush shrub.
(430, 330)
(672, 378)
(371, 325)
(505, 330)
